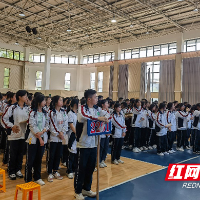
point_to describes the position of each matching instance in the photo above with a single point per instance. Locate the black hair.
(124, 104)
(54, 101)
(37, 100)
(1, 96)
(83, 101)
(162, 106)
(169, 105)
(103, 102)
(100, 96)
(180, 105)
(30, 97)
(74, 102)
(175, 102)
(47, 97)
(152, 106)
(89, 93)
(37, 93)
(143, 103)
(127, 100)
(11, 95)
(117, 105)
(135, 103)
(198, 105)
(120, 98)
(20, 93)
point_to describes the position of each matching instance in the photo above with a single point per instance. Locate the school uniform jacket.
(197, 114)
(145, 122)
(13, 116)
(137, 115)
(58, 123)
(171, 119)
(181, 115)
(85, 113)
(33, 126)
(152, 118)
(119, 123)
(161, 122)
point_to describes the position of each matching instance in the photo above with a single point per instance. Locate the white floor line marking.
(131, 179)
(189, 159)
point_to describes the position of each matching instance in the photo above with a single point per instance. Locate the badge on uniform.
(98, 128)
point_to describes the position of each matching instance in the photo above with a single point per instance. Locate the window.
(156, 50)
(128, 54)
(9, 54)
(90, 59)
(38, 82)
(135, 53)
(72, 59)
(149, 51)
(100, 82)
(16, 55)
(57, 59)
(31, 57)
(164, 49)
(92, 81)
(67, 81)
(154, 99)
(143, 52)
(102, 57)
(52, 59)
(22, 56)
(42, 57)
(3, 53)
(36, 58)
(96, 58)
(172, 48)
(154, 75)
(84, 59)
(6, 77)
(65, 59)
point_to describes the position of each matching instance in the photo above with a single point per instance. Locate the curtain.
(142, 81)
(191, 80)
(167, 81)
(111, 82)
(123, 81)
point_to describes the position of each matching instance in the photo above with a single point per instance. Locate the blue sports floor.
(153, 186)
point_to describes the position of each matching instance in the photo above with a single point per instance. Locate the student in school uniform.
(72, 143)
(161, 130)
(196, 124)
(189, 126)
(135, 135)
(87, 146)
(104, 144)
(6, 150)
(38, 124)
(193, 108)
(15, 120)
(58, 129)
(171, 119)
(118, 137)
(152, 117)
(181, 122)
(48, 102)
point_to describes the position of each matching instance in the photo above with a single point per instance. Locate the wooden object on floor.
(3, 187)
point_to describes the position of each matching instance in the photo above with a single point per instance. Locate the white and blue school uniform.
(38, 121)
(119, 123)
(161, 132)
(58, 123)
(171, 135)
(72, 143)
(135, 136)
(104, 138)
(15, 115)
(181, 123)
(87, 149)
(196, 123)
(152, 137)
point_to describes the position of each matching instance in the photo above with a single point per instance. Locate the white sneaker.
(40, 182)
(145, 148)
(150, 148)
(166, 153)
(130, 146)
(101, 165)
(141, 148)
(160, 154)
(120, 161)
(135, 150)
(154, 146)
(19, 174)
(123, 147)
(187, 147)
(79, 196)
(173, 151)
(65, 164)
(89, 193)
(58, 176)
(138, 149)
(170, 151)
(179, 149)
(70, 175)
(104, 163)
(95, 170)
(50, 178)
(12, 177)
(115, 162)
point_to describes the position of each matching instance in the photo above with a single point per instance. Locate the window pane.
(109, 57)
(16, 55)
(143, 52)
(39, 75)
(90, 59)
(38, 83)
(36, 58)
(156, 68)
(149, 51)
(10, 54)
(6, 82)
(157, 50)
(57, 59)
(93, 76)
(72, 59)
(3, 53)
(122, 55)
(190, 48)
(6, 71)
(156, 77)
(96, 58)
(184, 46)
(67, 77)
(128, 54)
(164, 49)
(67, 85)
(100, 81)
(22, 56)
(92, 81)
(42, 58)
(84, 59)
(155, 87)
(65, 59)
(52, 59)
(135, 53)
(31, 57)
(102, 57)
(191, 43)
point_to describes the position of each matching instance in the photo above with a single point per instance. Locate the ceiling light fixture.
(39, 38)
(22, 14)
(131, 26)
(147, 32)
(113, 20)
(69, 30)
(16, 43)
(196, 10)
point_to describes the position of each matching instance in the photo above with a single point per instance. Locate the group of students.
(31, 124)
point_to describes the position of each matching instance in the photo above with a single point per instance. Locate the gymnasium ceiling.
(90, 21)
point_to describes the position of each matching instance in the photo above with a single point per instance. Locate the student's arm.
(70, 121)
(116, 123)
(33, 123)
(53, 128)
(65, 124)
(159, 123)
(5, 118)
(46, 127)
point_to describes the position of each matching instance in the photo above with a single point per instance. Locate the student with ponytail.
(38, 124)
(58, 129)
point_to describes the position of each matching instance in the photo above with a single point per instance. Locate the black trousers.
(72, 163)
(128, 132)
(137, 137)
(34, 160)
(144, 137)
(65, 154)
(116, 148)
(104, 148)
(171, 136)
(162, 144)
(85, 169)
(192, 137)
(131, 136)
(55, 152)
(3, 137)
(6, 152)
(152, 137)
(16, 155)
(196, 146)
(181, 138)
(187, 137)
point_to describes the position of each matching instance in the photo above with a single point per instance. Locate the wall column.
(178, 69)
(115, 80)
(26, 68)
(46, 74)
